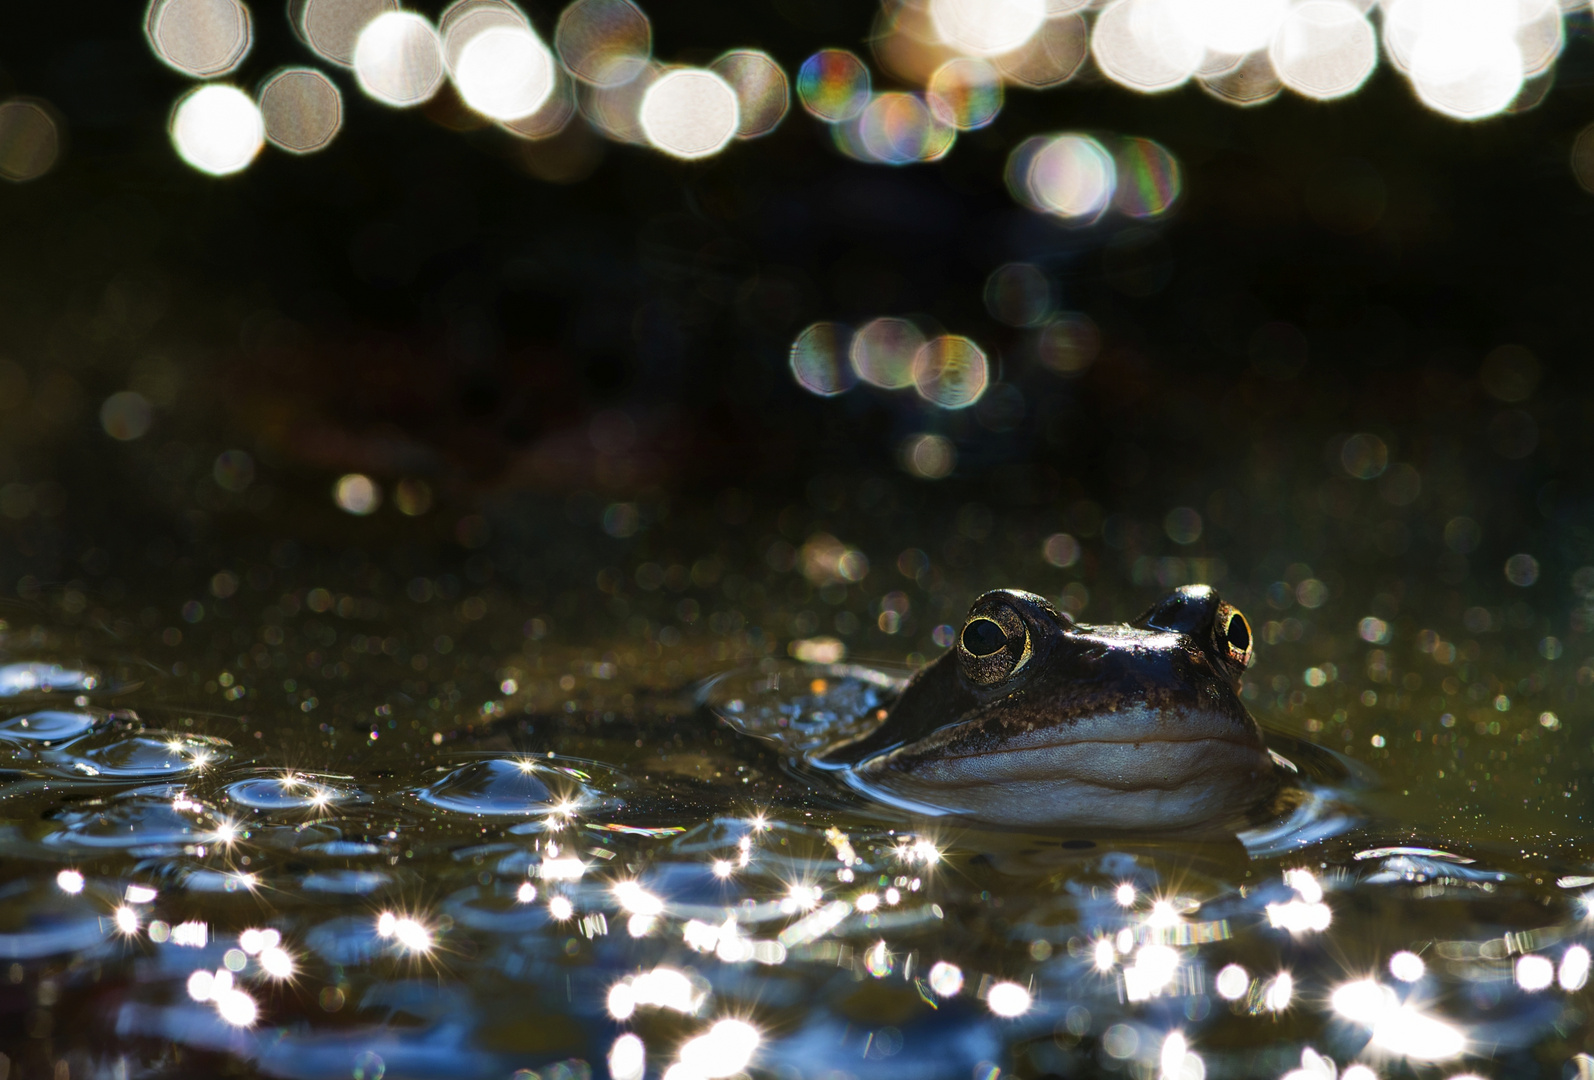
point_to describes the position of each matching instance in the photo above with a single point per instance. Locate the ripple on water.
(152, 756)
(292, 791)
(345, 882)
(147, 821)
(49, 726)
(504, 788)
(803, 707)
(37, 920)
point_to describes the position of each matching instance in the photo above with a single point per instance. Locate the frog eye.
(982, 637)
(994, 644)
(1234, 635)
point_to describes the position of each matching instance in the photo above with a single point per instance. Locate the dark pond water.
(342, 820)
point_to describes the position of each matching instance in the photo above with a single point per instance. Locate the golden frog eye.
(994, 644)
(982, 637)
(1234, 636)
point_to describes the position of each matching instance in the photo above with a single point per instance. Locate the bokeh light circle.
(1148, 181)
(762, 93)
(987, 27)
(898, 128)
(604, 42)
(331, 27)
(504, 72)
(126, 415)
(833, 85)
(217, 129)
(1325, 49)
(1463, 56)
(550, 119)
(462, 20)
(1018, 294)
(1051, 57)
(1229, 27)
(398, 59)
(302, 110)
(689, 113)
(951, 371)
(1582, 159)
(965, 93)
(201, 38)
(1068, 344)
(884, 350)
(1142, 44)
(616, 111)
(1251, 81)
(928, 456)
(1541, 35)
(1488, 86)
(357, 494)
(819, 359)
(30, 139)
(1071, 176)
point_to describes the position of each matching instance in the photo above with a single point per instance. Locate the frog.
(1031, 719)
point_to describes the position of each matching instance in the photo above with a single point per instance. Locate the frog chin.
(1148, 784)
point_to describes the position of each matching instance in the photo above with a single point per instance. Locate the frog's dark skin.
(1032, 719)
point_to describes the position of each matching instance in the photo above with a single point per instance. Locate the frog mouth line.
(1119, 764)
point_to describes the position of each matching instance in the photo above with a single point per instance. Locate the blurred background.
(582, 316)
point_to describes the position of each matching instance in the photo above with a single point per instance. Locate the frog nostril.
(983, 637)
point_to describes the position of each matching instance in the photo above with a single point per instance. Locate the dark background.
(413, 302)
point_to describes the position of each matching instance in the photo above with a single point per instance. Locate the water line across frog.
(1031, 719)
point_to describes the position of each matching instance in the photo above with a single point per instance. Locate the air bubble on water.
(149, 820)
(501, 787)
(293, 791)
(155, 755)
(51, 725)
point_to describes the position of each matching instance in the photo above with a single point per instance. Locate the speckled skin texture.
(1135, 726)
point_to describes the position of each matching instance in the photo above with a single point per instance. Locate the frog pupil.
(982, 637)
(1239, 633)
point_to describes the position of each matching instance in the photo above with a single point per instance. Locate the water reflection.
(697, 905)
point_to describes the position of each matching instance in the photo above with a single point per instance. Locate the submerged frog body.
(1031, 719)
